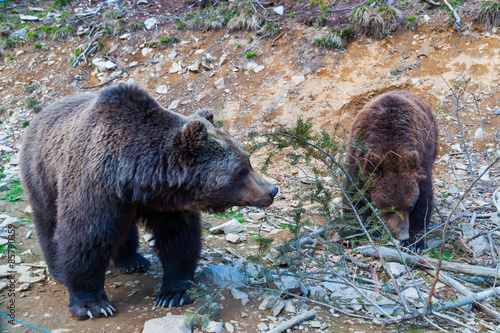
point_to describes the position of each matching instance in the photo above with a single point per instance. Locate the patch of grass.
(61, 3)
(8, 43)
(63, 33)
(100, 43)
(197, 23)
(250, 55)
(15, 193)
(238, 45)
(396, 72)
(32, 35)
(270, 28)
(180, 25)
(219, 123)
(25, 123)
(320, 21)
(134, 25)
(169, 40)
(489, 14)
(331, 41)
(38, 45)
(375, 23)
(112, 13)
(31, 102)
(30, 89)
(231, 215)
(250, 38)
(290, 15)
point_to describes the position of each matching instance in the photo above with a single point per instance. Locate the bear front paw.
(90, 307)
(171, 298)
(137, 263)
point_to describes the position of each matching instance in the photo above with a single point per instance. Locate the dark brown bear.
(394, 138)
(95, 165)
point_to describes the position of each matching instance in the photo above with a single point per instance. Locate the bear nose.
(273, 192)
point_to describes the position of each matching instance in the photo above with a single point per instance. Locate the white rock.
(219, 84)
(230, 227)
(3, 285)
(214, 327)
(32, 276)
(298, 79)
(210, 58)
(170, 324)
(62, 330)
(259, 68)
(238, 294)
(479, 134)
(315, 324)
(150, 23)
(8, 221)
(410, 293)
(460, 166)
(130, 81)
(24, 287)
(289, 307)
(173, 54)
(222, 60)
(229, 327)
(146, 51)
(163, 89)
(456, 147)
(234, 238)
(125, 36)
(28, 210)
(176, 67)
(103, 65)
(174, 104)
(277, 308)
(396, 269)
(280, 10)
(257, 216)
(427, 18)
(486, 175)
(262, 327)
(5, 149)
(268, 302)
(28, 17)
(195, 67)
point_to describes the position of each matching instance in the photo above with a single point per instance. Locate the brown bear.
(93, 166)
(394, 139)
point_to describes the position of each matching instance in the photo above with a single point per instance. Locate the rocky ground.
(456, 71)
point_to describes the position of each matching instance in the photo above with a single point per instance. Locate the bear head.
(218, 173)
(395, 187)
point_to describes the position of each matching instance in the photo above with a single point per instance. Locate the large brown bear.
(95, 165)
(394, 139)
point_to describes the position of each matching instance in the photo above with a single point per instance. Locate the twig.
(119, 75)
(251, 45)
(83, 54)
(457, 18)
(293, 321)
(18, 68)
(434, 3)
(347, 8)
(280, 35)
(443, 316)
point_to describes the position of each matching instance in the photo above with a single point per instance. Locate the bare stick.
(251, 45)
(294, 321)
(434, 3)
(457, 18)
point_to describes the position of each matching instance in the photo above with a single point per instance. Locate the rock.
(238, 294)
(426, 18)
(4, 241)
(28, 17)
(222, 60)
(210, 58)
(257, 216)
(19, 33)
(289, 307)
(262, 327)
(298, 79)
(5, 149)
(146, 51)
(142, 2)
(479, 244)
(410, 293)
(28, 251)
(125, 36)
(5, 271)
(230, 227)
(224, 276)
(195, 67)
(174, 104)
(4, 187)
(280, 10)
(3, 285)
(103, 65)
(259, 68)
(396, 269)
(150, 23)
(479, 134)
(176, 68)
(62, 330)
(117, 284)
(170, 324)
(280, 235)
(28, 210)
(214, 327)
(460, 166)
(277, 308)
(497, 112)
(234, 238)
(486, 175)
(32, 276)
(268, 302)
(289, 284)
(8, 221)
(162, 89)
(229, 327)
(173, 54)
(305, 178)
(315, 324)
(206, 66)
(24, 287)
(317, 292)
(456, 147)
(219, 84)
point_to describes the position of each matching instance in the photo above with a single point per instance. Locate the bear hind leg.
(420, 217)
(127, 259)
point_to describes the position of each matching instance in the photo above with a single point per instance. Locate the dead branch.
(457, 18)
(426, 262)
(434, 3)
(293, 321)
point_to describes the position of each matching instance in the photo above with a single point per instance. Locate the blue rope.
(1, 314)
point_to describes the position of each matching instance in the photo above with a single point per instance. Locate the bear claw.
(172, 299)
(92, 309)
(134, 265)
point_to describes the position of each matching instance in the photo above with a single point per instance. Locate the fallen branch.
(280, 35)
(294, 321)
(457, 18)
(426, 262)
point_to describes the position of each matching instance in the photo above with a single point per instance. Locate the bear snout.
(398, 225)
(274, 192)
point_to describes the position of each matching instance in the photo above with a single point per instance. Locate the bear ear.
(204, 113)
(373, 161)
(194, 134)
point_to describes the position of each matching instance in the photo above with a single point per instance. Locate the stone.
(174, 104)
(257, 216)
(8, 221)
(146, 51)
(19, 33)
(28, 17)
(28, 210)
(289, 284)
(268, 302)
(162, 89)
(32, 276)
(4, 187)
(289, 307)
(62, 330)
(207, 66)
(103, 65)
(230, 227)
(317, 292)
(229, 327)
(259, 68)
(125, 36)
(6, 149)
(426, 18)
(238, 294)
(210, 58)
(150, 23)
(176, 68)
(456, 147)
(262, 327)
(277, 308)
(460, 166)
(315, 324)
(5, 271)
(497, 112)
(486, 175)
(280, 10)
(170, 324)
(219, 84)
(298, 79)
(24, 287)
(479, 134)
(234, 238)
(195, 67)
(214, 327)
(3, 285)
(222, 60)
(224, 276)
(280, 235)
(173, 54)
(396, 269)
(305, 178)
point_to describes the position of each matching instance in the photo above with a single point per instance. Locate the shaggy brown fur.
(395, 137)
(94, 165)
